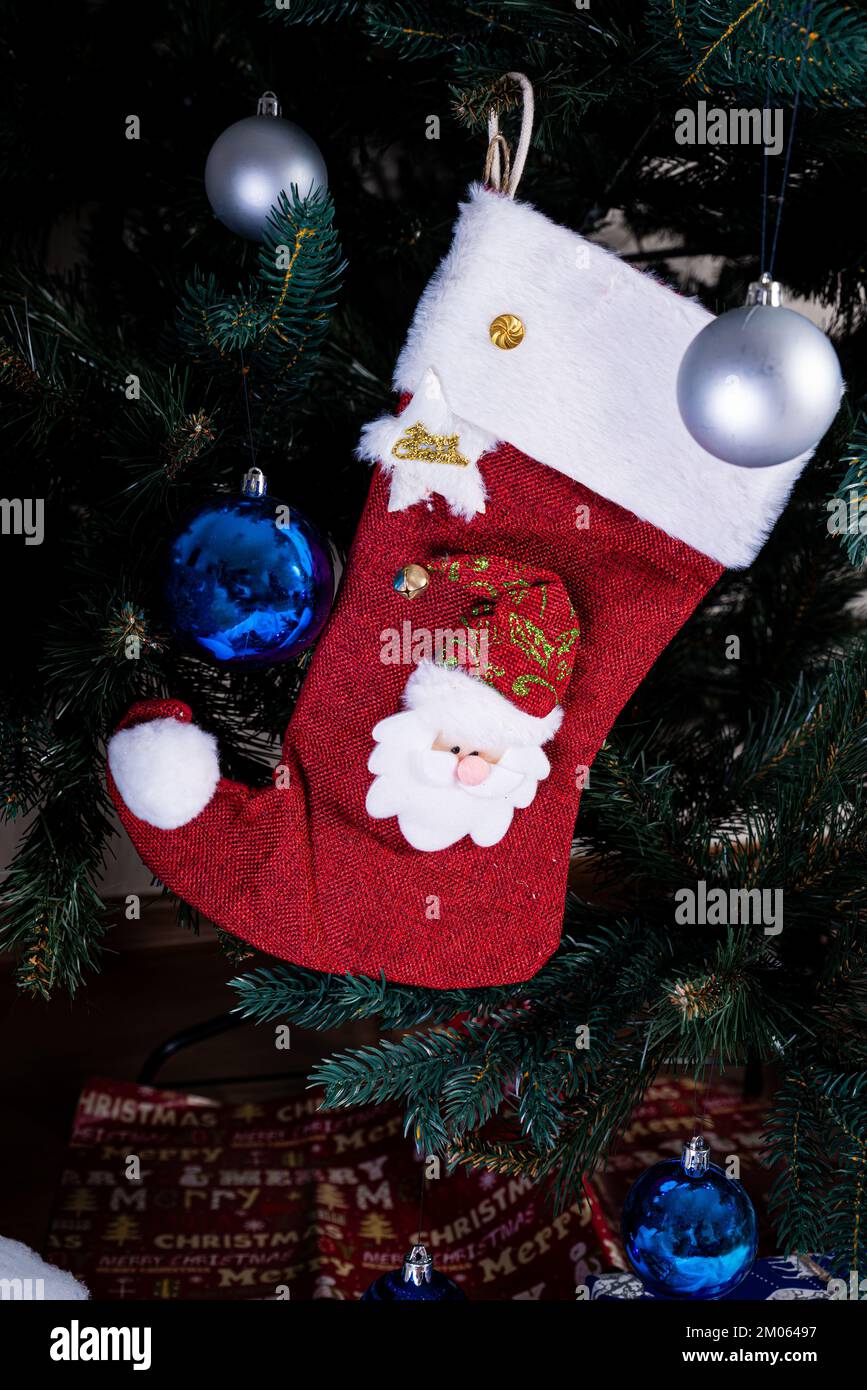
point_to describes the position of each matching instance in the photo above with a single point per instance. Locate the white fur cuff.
(590, 388)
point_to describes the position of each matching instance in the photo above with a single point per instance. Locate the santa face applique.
(441, 791)
(466, 752)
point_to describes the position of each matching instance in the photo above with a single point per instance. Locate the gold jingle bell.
(411, 581)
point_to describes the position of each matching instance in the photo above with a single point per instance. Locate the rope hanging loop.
(501, 173)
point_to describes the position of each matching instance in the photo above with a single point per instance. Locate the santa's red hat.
(503, 641)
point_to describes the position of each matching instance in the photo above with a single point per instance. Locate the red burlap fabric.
(302, 872)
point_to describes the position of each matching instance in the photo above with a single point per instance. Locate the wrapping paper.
(273, 1199)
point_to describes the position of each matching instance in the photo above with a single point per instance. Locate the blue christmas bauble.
(416, 1282)
(249, 580)
(689, 1231)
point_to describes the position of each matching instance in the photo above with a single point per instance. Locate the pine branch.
(313, 1000)
(817, 1134)
(274, 328)
(51, 913)
(716, 45)
(848, 508)
(506, 1158)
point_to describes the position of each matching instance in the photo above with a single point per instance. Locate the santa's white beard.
(417, 784)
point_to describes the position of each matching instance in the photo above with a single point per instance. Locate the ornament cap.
(696, 1155)
(254, 483)
(418, 1266)
(766, 290)
(268, 105)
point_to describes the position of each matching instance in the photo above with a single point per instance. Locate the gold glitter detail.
(507, 331)
(418, 445)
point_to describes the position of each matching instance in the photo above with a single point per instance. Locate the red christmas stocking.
(539, 525)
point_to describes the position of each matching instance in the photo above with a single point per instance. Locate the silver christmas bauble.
(759, 385)
(255, 160)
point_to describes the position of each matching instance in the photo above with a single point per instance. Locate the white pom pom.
(18, 1261)
(165, 771)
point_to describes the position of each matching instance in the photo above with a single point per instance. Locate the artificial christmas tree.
(715, 688)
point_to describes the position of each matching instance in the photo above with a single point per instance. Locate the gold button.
(411, 581)
(507, 331)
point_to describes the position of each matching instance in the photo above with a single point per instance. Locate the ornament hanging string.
(247, 408)
(769, 267)
(701, 1080)
(420, 1236)
(506, 179)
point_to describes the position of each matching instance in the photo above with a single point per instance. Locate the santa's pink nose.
(472, 770)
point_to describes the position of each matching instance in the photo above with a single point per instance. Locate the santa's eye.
(475, 753)
(456, 749)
